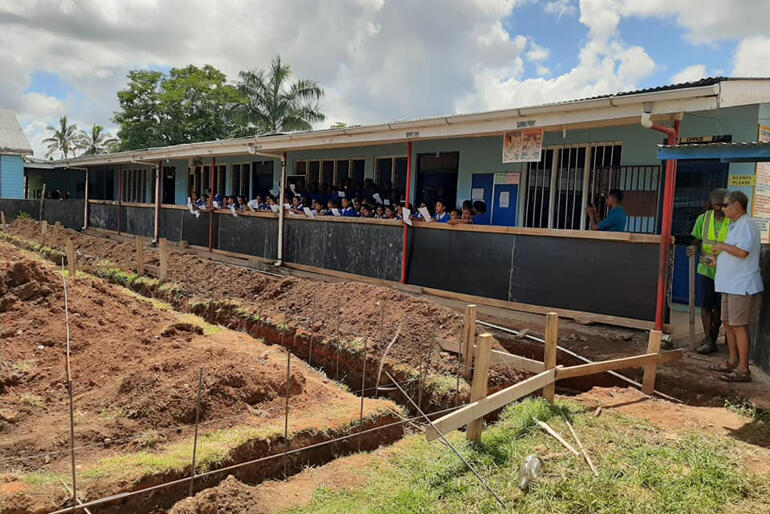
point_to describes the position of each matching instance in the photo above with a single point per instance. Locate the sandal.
(735, 376)
(725, 367)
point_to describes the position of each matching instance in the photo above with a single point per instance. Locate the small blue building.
(14, 146)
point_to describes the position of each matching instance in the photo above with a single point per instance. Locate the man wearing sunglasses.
(739, 280)
(710, 228)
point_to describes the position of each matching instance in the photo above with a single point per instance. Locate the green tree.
(195, 104)
(140, 114)
(272, 104)
(188, 105)
(97, 141)
(64, 139)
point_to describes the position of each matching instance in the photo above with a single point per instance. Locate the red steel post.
(665, 230)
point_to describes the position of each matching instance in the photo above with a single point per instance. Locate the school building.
(537, 249)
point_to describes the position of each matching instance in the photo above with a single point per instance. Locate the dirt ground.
(327, 308)
(135, 368)
(345, 474)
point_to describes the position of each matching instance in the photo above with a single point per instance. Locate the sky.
(377, 60)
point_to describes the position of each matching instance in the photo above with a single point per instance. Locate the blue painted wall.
(11, 176)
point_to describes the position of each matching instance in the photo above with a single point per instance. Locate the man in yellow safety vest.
(710, 228)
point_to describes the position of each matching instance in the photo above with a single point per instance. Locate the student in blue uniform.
(616, 218)
(479, 210)
(441, 215)
(347, 209)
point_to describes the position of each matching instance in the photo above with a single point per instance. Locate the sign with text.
(507, 178)
(760, 204)
(523, 145)
(741, 180)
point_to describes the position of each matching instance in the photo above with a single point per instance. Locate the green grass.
(640, 471)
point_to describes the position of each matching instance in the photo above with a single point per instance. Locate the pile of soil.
(327, 309)
(230, 496)
(134, 367)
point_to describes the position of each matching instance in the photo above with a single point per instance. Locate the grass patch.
(640, 470)
(43, 477)
(217, 447)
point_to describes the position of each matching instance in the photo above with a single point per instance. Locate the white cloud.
(752, 58)
(378, 60)
(537, 52)
(690, 74)
(560, 8)
(706, 21)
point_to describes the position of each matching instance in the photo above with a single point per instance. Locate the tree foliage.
(97, 141)
(63, 140)
(273, 104)
(194, 104)
(187, 105)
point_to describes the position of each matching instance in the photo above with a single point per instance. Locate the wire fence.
(416, 384)
(176, 432)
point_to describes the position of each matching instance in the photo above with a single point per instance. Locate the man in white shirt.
(739, 280)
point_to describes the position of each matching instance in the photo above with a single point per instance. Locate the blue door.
(504, 207)
(481, 188)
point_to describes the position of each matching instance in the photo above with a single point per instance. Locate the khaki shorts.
(740, 310)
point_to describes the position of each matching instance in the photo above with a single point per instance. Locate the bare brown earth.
(327, 309)
(135, 369)
(348, 473)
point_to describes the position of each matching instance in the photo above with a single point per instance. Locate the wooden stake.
(693, 343)
(56, 226)
(71, 262)
(549, 356)
(559, 438)
(139, 255)
(469, 330)
(650, 370)
(582, 450)
(43, 227)
(480, 381)
(163, 249)
(2, 220)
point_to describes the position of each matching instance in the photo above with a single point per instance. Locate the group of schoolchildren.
(367, 201)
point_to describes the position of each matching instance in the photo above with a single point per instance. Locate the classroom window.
(261, 177)
(343, 171)
(538, 191)
(136, 183)
(240, 180)
(391, 169)
(566, 179)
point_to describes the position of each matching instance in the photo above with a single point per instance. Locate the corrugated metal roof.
(12, 138)
(708, 81)
(737, 144)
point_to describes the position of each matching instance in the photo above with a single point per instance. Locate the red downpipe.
(211, 204)
(665, 230)
(120, 194)
(406, 204)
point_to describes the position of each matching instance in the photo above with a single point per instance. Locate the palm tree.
(64, 140)
(271, 104)
(97, 141)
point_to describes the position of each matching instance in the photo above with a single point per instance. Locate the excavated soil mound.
(135, 367)
(230, 496)
(327, 309)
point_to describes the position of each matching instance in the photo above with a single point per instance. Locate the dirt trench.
(290, 312)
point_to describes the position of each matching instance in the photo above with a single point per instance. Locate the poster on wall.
(523, 145)
(760, 205)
